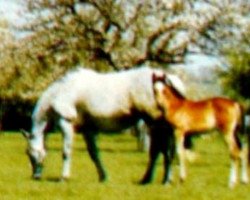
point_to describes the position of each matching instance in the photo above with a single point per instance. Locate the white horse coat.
(96, 102)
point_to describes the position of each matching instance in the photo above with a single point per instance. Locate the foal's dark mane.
(176, 92)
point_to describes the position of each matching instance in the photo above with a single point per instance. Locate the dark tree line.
(109, 35)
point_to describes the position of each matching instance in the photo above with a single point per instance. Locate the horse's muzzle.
(37, 169)
(37, 172)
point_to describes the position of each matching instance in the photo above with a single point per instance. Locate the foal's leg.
(179, 135)
(243, 144)
(235, 152)
(68, 132)
(90, 139)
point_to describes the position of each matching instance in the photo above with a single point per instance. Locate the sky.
(12, 11)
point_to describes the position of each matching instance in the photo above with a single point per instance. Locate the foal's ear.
(26, 134)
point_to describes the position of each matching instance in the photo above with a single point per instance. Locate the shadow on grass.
(56, 180)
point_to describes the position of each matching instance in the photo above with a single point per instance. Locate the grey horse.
(94, 102)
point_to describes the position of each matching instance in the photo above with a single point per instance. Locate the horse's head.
(36, 154)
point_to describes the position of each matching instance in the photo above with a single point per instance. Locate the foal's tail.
(243, 129)
(242, 124)
(246, 124)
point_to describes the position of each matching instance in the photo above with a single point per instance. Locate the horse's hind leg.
(90, 139)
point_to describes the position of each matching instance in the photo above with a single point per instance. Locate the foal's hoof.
(64, 179)
(182, 180)
(245, 181)
(144, 182)
(232, 185)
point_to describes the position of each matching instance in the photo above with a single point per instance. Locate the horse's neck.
(37, 142)
(38, 128)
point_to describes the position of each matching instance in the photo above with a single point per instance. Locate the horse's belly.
(109, 124)
(108, 107)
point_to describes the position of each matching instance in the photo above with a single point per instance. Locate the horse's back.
(99, 95)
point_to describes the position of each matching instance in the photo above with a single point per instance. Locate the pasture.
(207, 176)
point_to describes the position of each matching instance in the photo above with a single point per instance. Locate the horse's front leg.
(68, 133)
(93, 151)
(179, 135)
(168, 153)
(153, 155)
(235, 150)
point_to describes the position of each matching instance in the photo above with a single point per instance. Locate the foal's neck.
(172, 96)
(172, 102)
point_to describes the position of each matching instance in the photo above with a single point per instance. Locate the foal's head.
(167, 89)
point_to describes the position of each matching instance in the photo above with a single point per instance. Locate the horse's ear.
(154, 77)
(159, 77)
(26, 134)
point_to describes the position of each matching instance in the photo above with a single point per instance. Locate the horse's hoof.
(168, 182)
(103, 179)
(36, 177)
(144, 182)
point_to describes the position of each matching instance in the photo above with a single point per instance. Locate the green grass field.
(207, 176)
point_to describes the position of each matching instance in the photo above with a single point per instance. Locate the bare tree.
(119, 34)
(126, 33)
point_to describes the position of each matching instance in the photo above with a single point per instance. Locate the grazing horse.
(94, 102)
(188, 117)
